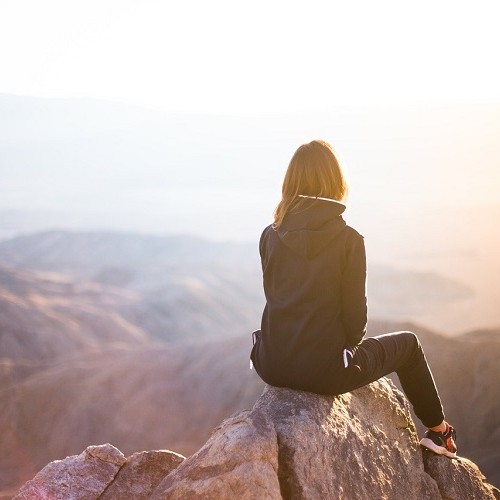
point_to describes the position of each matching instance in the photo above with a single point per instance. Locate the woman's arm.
(354, 308)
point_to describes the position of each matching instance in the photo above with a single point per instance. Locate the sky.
(407, 92)
(251, 57)
(235, 58)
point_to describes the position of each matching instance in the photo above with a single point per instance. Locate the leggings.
(399, 352)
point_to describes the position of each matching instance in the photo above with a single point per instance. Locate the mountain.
(188, 284)
(482, 335)
(156, 288)
(45, 315)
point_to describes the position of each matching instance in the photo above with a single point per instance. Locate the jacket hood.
(315, 224)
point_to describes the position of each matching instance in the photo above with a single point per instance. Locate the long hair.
(313, 171)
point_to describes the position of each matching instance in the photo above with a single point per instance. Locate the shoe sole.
(439, 450)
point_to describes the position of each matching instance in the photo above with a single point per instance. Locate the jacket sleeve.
(354, 308)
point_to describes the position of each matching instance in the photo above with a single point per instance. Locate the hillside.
(61, 290)
(44, 315)
(187, 285)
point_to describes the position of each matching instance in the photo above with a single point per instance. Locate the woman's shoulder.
(266, 232)
(353, 238)
(353, 233)
(267, 229)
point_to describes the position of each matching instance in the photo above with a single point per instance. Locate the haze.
(232, 57)
(164, 117)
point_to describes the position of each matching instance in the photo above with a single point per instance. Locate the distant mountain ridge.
(80, 252)
(172, 288)
(64, 291)
(157, 264)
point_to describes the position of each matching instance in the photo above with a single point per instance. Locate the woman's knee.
(412, 340)
(415, 350)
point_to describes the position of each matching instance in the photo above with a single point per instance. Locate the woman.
(314, 322)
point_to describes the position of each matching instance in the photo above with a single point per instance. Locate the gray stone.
(80, 477)
(458, 478)
(240, 460)
(141, 474)
(357, 445)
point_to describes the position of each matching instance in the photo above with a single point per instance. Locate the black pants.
(402, 353)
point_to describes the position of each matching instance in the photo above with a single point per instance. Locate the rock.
(454, 477)
(240, 460)
(101, 472)
(141, 474)
(364, 444)
(83, 476)
(355, 446)
(292, 445)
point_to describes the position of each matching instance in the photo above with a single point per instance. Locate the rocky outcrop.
(292, 445)
(356, 446)
(101, 472)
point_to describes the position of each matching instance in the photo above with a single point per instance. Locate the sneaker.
(442, 443)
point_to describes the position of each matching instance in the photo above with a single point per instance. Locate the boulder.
(240, 460)
(354, 446)
(454, 477)
(83, 476)
(140, 474)
(101, 472)
(364, 444)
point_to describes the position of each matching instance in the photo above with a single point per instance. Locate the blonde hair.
(313, 171)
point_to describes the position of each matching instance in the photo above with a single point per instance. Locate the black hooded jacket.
(314, 272)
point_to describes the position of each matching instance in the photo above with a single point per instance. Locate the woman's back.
(310, 264)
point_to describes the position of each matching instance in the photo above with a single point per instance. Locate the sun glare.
(230, 57)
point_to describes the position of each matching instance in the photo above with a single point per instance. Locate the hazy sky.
(408, 92)
(233, 56)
